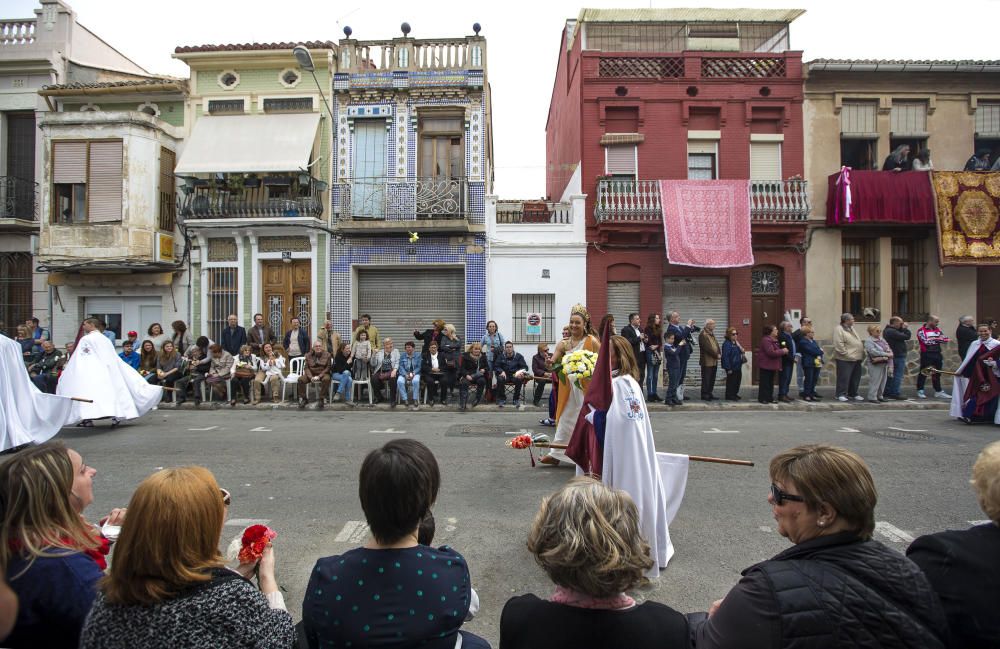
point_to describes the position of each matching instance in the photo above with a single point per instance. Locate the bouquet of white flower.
(577, 366)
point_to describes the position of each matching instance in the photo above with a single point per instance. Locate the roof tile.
(243, 47)
(131, 83)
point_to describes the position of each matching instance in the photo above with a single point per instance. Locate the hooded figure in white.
(961, 383)
(95, 371)
(27, 415)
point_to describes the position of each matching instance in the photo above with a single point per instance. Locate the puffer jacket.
(832, 592)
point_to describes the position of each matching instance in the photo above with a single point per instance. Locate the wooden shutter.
(69, 163)
(104, 182)
(988, 118)
(908, 118)
(765, 161)
(621, 160)
(858, 118)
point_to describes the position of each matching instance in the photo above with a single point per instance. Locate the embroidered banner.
(968, 211)
(706, 223)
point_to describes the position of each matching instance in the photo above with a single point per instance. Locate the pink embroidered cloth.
(706, 223)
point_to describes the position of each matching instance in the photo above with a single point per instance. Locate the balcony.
(17, 32)
(410, 54)
(771, 201)
(18, 203)
(881, 198)
(247, 204)
(534, 212)
(389, 204)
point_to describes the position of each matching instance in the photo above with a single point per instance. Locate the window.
(225, 106)
(859, 153)
(621, 120)
(168, 203)
(701, 166)
(765, 160)
(223, 294)
(87, 181)
(915, 143)
(860, 270)
(859, 135)
(112, 321)
(988, 119)
(541, 303)
(15, 290)
(288, 104)
(990, 143)
(620, 160)
(289, 78)
(442, 149)
(909, 290)
(228, 79)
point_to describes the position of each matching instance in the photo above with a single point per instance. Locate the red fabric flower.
(255, 541)
(521, 441)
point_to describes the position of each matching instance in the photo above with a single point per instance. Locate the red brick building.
(650, 94)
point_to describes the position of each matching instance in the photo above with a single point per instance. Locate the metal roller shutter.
(621, 160)
(623, 299)
(765, 161)
(701, 298)
(104, 191)
(400, 300)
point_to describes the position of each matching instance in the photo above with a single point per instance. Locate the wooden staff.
(693, 458)
(81, 400)
(927, 371)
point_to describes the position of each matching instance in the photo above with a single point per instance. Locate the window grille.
(909, 285)
(288, 104)
(223, 298)
(225, 106)
(860, 271)
(540, 303)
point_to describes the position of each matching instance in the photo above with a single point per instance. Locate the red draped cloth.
(883, 197)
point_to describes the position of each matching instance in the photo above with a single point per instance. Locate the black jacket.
(634, 339)
(963, 569)
(833, 592)
(789, 358)
(429, 336)
(233, 339)
(472, 366)
(897, 340)
(509, 365)
(965, 335)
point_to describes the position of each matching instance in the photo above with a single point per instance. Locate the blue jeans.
(785, 378)
(809, 382)
(673, 381)
(895, 386)
(414, 387)
(652, 377)
(800, 376)
(344, 381)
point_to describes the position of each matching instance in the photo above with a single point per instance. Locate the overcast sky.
(523, 39)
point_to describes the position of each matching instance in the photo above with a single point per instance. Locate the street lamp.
(305, 61)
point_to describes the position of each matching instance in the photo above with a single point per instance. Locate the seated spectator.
(70, 346)
(812, 362)
(269, 372)
(244, 372)
(168, 586)
(434, 375)
(385, 369)
(52, 557)
(220, 370)
(129, 355)
(962, 565)
(823, 499)
(407, 595)
(541, 367)
(316, 372)
(408, 379)
(472, 369)
(361, 355)
(342, 374)
(169, 367)
(147, 360)
(198, 360)
(510, 367)
(586, 538)
(27, 343)
(44, 372)
(133, 339)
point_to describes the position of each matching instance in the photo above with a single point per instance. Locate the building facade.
(646, 95)
(413, 164)
(254, 184)
(49, 48)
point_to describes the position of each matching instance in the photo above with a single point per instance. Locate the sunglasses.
(227, 499)
(779, 497)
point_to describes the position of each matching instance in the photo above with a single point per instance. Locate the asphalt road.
(298, 471)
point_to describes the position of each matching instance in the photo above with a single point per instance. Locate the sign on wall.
(534, 324)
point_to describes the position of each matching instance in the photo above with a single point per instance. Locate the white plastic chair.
(294, 370)
(206, 387)
(365, 382)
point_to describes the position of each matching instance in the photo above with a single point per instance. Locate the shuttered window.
(104, 178)
(700, 298)
(623, 299)
(988, 118)
(621, 120)
(69, 162)
(857, 119)
(908, 118)
(765, 161)
(401, 300)
(621, 160)
(168, 204)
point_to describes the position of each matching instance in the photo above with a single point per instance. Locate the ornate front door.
(766, 305)
(287, 294)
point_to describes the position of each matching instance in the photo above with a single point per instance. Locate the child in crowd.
(672, 363)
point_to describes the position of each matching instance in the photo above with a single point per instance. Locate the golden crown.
(580, 310)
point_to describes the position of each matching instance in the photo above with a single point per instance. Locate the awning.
(249, 143)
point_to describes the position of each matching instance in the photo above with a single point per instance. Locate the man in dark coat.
(633, 333)
(233, 336)
(259, 334)
(509, 367)
(965, 334)
(896, 333)
(685, 346)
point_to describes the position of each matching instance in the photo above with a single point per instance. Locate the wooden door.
(287, 294)
(767, 305)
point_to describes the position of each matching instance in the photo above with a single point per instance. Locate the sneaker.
(841, 398)
(859, 398)
(517, 404)
(942, 395)
(921, 395)
(501, 403)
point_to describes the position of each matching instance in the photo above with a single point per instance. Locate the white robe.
(27, 415)
(96, 372)
(631, 464)
(960, 383)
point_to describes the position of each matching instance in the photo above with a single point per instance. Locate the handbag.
(655, 357)
(244, 373)
(878, 360)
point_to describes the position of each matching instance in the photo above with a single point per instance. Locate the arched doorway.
(767, 302)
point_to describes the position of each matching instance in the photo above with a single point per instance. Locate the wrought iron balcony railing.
(631, 201)
(220, 204)
(510, 212)
(18, 198)
(390, 199)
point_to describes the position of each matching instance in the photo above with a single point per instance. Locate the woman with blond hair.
(835, 587)
(586, 537)
(570, 396)
(168, 586)
(962, 565)
(51, 556)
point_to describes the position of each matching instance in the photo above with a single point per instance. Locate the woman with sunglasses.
(733, 357)
(835, 587)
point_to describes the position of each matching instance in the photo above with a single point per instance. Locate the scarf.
(570, 597)
(98, 554)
